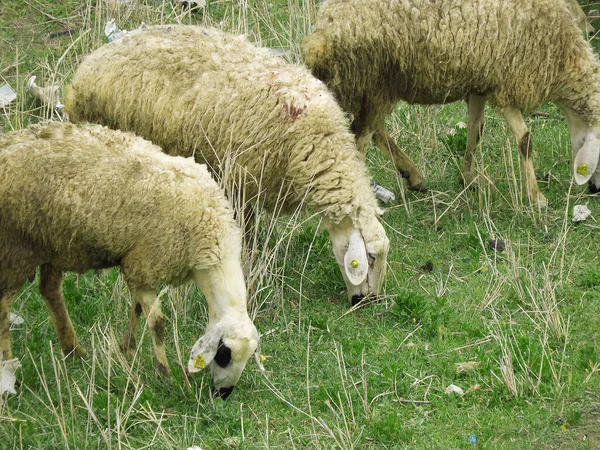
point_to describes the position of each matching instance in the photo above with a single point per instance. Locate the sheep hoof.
(541, 202)
(163, 369)
(419, 187)
(75, 352)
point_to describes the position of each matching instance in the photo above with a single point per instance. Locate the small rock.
(497, 244)
(454, 389)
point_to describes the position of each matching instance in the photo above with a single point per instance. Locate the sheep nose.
(359, 297)
(223, 392)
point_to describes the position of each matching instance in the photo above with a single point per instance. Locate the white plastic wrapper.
(580, 213)
(7, 95)
(16, 320)
(7, 375)
(383, 194)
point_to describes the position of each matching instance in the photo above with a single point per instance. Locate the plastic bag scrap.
(48, 96)
(382, 193)
(7, 375)
(580, 213)
(16, 320)
(112, 31)
(7, 95)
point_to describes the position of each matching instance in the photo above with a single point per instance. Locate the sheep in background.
(199, 91)
(73, 199)
(515, 54)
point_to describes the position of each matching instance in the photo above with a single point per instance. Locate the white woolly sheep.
(515, 54)
(73, 199)
(199, 91)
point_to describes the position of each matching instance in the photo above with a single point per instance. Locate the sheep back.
(89, 197)
(515, 52)
(199, 91)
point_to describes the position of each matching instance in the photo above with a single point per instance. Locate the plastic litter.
(7, 95)
(383, 194)
(112, 31)
(16, 320)
(473, 439)
(454, 389)
(7, 375)
(580, 213)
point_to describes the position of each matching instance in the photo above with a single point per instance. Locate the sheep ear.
(356, 263)
(586, 159)
(204, 350)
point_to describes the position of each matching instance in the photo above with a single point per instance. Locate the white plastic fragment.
(194, 447)
(112, 31)
(16, 320)
(7, 375)
(7, 95)
(454, 389)
(383, 194)
(580, 213)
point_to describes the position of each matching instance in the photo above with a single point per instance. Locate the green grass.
(370, 378)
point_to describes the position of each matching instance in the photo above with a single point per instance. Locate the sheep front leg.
(403, 163)
(51, 290)
(6, 299)
(515, 121)
(476, 106)
(146, 297)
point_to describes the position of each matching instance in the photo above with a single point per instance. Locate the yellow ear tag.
(582, 169)
(354, 263)
(199, 362)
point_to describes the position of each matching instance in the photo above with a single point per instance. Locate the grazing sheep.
(199, 91)
(516, 54)
(73, 199)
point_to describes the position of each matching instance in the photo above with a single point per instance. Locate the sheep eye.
(372, 257)
(223, 356)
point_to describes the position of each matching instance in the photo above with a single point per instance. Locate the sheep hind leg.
(154, 318)
(515, 121)
(6, 299)
(403, 163)
(51, 290)
(476, 106)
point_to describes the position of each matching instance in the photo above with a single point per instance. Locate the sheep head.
(361, 255)
(225, 348)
